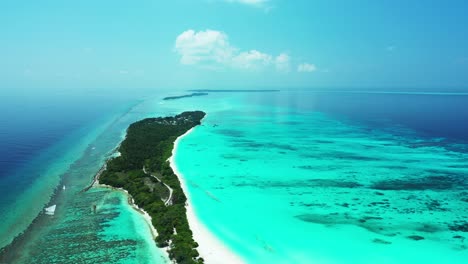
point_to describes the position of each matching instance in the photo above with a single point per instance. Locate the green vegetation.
(139, 170)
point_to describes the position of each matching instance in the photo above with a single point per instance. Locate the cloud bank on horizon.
(211, 49)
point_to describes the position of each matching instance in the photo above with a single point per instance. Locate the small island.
(184, 96)
(144, 171)
(235, 91)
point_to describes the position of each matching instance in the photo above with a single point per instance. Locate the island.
(143, 170)
(234, 91)
(184, 96)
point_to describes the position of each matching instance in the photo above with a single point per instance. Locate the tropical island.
(184, 96)
(234, 90)
(144, 171)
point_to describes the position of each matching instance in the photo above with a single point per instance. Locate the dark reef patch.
(351, 156)
(321, 183)
(415, 237)
(248, 144)
(434, 205)
(290, 123)
(459, 226)
(429, 228)
(372, 223)
(318, 141)
(265, 145)
(340, 155)
(230, 133)
(306, 167)
(381, 241)
(366, 218)
(333, 183)
(463, 197)
(415, 184)
(232, 156)
(394, 167)
(76, 239)
(321, 205)
(281, 146)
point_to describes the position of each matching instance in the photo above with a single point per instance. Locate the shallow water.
(279, 177)
(116, 233)
(280, 181)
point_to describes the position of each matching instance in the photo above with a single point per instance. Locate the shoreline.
(149, 221)
(211, 249)
(141, 211)
(170, 221)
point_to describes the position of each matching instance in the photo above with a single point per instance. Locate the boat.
(50, 210)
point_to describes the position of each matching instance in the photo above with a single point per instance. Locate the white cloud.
(251, 60)
(306, 67)
(203, 46)
(211, 49)
(391, 48)
(282, 62)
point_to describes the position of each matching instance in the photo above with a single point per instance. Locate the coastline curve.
(210, 247)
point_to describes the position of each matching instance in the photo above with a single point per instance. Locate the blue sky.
(233, 44)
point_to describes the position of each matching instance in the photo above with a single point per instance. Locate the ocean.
(304, 177)
(52, 145)
(279, 177)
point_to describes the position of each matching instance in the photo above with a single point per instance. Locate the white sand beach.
(210, 248)
(143, 213)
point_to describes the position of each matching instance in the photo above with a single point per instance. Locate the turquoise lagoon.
(283, 177)
(311, 178)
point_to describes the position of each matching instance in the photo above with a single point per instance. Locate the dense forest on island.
(144, 171)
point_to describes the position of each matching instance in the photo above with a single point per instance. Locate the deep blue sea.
(30, 125)
(290, 156)
(41, 135)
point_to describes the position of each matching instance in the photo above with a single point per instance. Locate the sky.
(233, 44)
